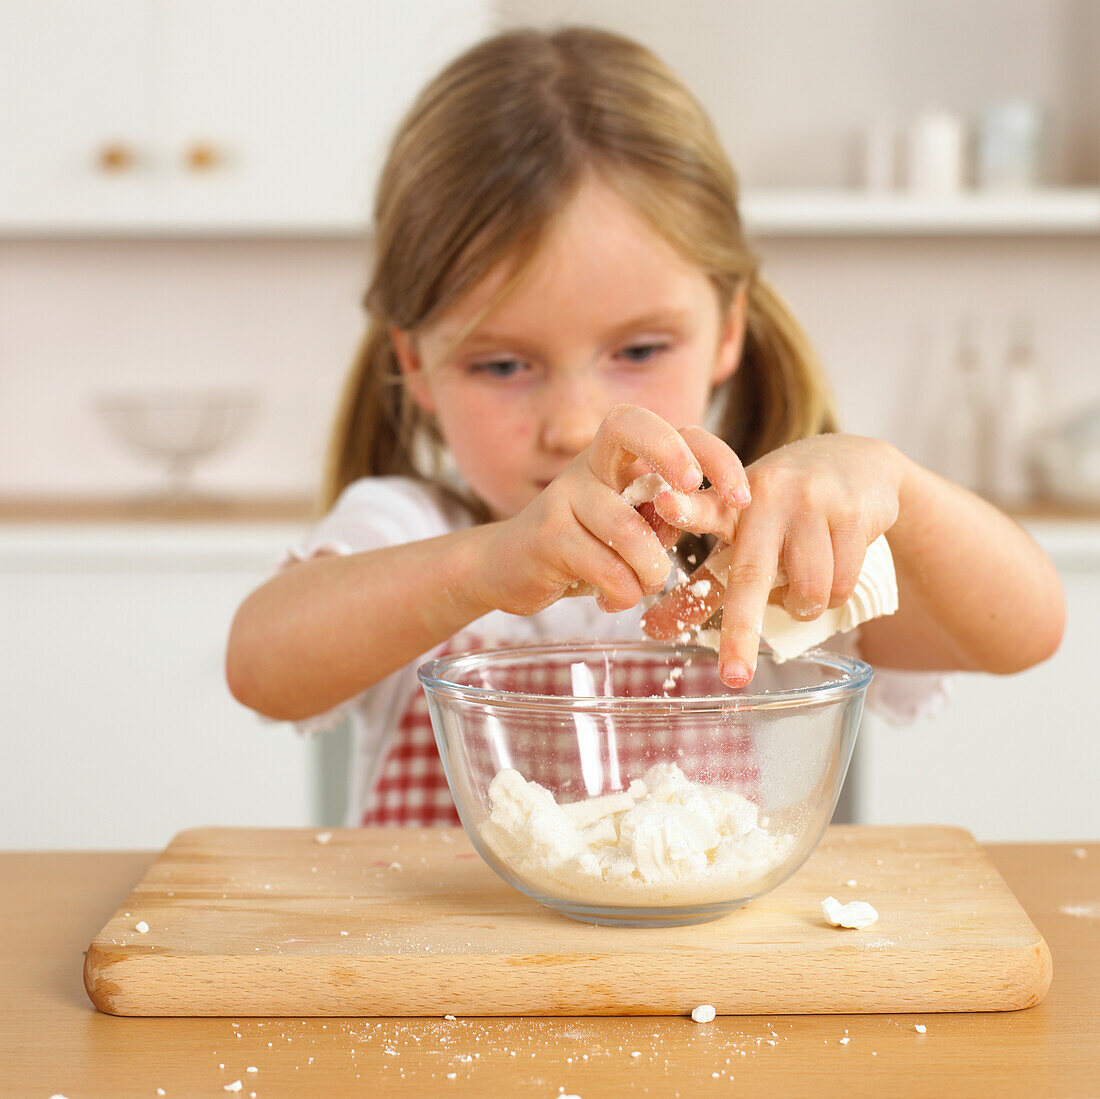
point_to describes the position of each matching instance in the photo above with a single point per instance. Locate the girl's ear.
(408, 359)
(731, 342)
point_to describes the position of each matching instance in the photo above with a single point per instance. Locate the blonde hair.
(488, 154)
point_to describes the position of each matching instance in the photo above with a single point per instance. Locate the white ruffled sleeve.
(899, 697)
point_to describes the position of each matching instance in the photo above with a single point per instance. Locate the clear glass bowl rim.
(854, 676)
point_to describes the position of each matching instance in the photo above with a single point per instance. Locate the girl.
(561, 296)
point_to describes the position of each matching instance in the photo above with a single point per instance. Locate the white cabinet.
(78, 119)
(1010, 758)
(166, 116)
(116, 727)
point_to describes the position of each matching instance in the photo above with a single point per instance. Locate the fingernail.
(733, 671)
(692, 479)
(742, 495)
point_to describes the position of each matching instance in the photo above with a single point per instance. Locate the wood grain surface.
(383, 922)
(53, 1041)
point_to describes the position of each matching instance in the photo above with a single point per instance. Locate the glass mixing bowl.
(624, 783)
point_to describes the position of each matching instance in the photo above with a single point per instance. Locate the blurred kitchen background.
(184, 187)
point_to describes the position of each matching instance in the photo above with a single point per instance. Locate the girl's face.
(608, 313)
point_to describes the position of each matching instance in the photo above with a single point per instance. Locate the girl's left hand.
(817, 504)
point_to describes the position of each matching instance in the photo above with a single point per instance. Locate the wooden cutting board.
(395, 922)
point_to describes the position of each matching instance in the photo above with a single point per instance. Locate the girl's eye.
(642, 352)
(499, 368)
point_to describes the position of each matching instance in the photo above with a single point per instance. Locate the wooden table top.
(53, 1042)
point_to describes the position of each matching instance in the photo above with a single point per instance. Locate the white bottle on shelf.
(1015, 421)
(962, 435)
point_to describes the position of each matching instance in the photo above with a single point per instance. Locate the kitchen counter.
(52, 1041)
(159, 509)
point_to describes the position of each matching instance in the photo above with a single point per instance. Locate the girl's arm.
(975, 591)
(325, 629)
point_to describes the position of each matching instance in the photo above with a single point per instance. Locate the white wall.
(77, 318)
(82, 317)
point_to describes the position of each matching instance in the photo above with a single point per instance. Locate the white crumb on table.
(704, 1013)
(855, 914)
(449, 1018)
(920, 1028)
(851, 883)
(141, 927)
(845, 1041)
(235, 1086)
(395, 866)
(1079, 852)
(322, 837)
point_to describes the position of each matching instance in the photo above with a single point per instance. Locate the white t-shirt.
(384, 511)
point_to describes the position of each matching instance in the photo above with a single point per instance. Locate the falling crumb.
(704, 1013)
(322, 837)
(920, 1028)
(1082, 911)
(141, 927)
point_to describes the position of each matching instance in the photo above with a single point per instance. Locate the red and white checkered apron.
(411, 788)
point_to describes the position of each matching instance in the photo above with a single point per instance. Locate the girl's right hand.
(580, 531)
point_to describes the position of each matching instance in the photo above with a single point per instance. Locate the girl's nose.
(574, 409)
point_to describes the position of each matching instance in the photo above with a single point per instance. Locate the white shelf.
(814, 212)
(793, 213)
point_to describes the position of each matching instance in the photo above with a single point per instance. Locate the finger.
(849, 548)
(604, 513)
(749, 580)
(698, 512)
(720, 465)
(688, 604)
(628, 433)
(667, 534)
(590, 562)
(808, 562)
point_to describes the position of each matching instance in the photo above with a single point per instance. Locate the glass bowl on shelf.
(177, 428)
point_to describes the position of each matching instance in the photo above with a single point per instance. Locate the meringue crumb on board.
(704, 1013)
(854, 914)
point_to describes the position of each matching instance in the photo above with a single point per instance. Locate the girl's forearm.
(975, 590)
(324, 630)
